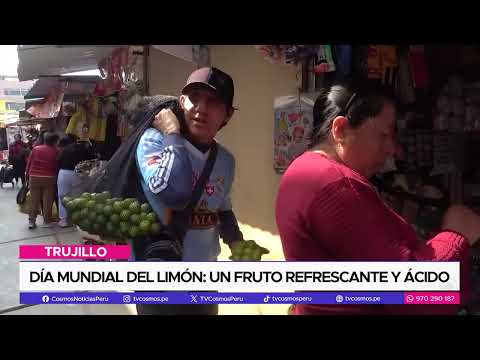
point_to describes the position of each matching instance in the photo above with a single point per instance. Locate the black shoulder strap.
(202, 181)
(180, 220)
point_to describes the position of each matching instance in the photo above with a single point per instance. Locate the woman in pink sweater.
(41, 175)
(327, 209)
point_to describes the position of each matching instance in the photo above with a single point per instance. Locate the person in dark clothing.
(71, 154)
(18, 158)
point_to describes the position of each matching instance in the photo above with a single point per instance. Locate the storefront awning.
(75, 86)
(37, 60)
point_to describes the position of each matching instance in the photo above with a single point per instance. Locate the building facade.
(12, 92)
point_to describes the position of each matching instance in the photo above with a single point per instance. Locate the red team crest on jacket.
(152, 160)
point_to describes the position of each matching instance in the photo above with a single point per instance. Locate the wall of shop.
(167, 73)
(250, 133)
(249, 136)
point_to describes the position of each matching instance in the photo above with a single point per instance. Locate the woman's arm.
(352, 222)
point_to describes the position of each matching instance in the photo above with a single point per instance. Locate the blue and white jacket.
(169, 166)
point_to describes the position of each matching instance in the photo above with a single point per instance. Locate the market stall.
(437, 91)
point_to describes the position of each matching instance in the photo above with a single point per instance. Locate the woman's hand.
(463, 220)
(166, 122)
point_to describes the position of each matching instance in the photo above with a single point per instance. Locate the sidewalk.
(14, 232)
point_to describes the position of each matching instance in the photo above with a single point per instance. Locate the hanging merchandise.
(405, 89)
(324, 60)
(86, 123)
(389, 65)
(115, 70)
(286, 54)
(360, 62)
(374, 62)
(418, 64)
(343, 54)
(293, 126)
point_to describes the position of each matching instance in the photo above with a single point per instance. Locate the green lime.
(107, 210)
(117, 233)
(135, 207)
(124, 227)
(85, 225)
(97, 228)
(101, 219)
(135, 219)
(66, 200)
(76, 217)
(110, 228)
(117, 206)
(257, 254)
(155, 228)
(100, 198)
(125, 215)
(115, 219)
(130, 200)
(84, 213)
(92, 216)
(145, 226)
(71, 205)
(143, 216)
(152, 217)
(245, 258)
(250, 244)
(99, 208)
(145, 208)
(238, 247)
(134, 231)
(86, 196)
(109, 202)
(91, 204)
(80, 203)
(263, 250)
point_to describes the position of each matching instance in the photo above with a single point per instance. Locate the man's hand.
(166, 122)
(463, 220)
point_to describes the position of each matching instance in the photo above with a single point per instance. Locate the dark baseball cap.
(217, 80)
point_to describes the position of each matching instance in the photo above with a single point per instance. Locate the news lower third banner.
(60, 274)
(228, 276)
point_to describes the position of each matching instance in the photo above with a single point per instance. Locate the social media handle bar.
(212, 298)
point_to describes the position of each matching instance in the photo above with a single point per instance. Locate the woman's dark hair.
(357, 104)
(67, 139)
(41, 138)
(50, 139)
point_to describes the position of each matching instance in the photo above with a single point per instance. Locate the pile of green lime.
(247, 250)
(100, 214)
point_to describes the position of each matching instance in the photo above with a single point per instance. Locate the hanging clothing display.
(85, 123)
(388, 64)
(324, 60)
(293, 127)
(418, 64)
(405, 90)
(343, 57)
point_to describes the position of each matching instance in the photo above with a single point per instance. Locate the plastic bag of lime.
(247, 250)
(100, 214)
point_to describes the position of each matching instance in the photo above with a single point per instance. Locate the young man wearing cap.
(171, 157)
